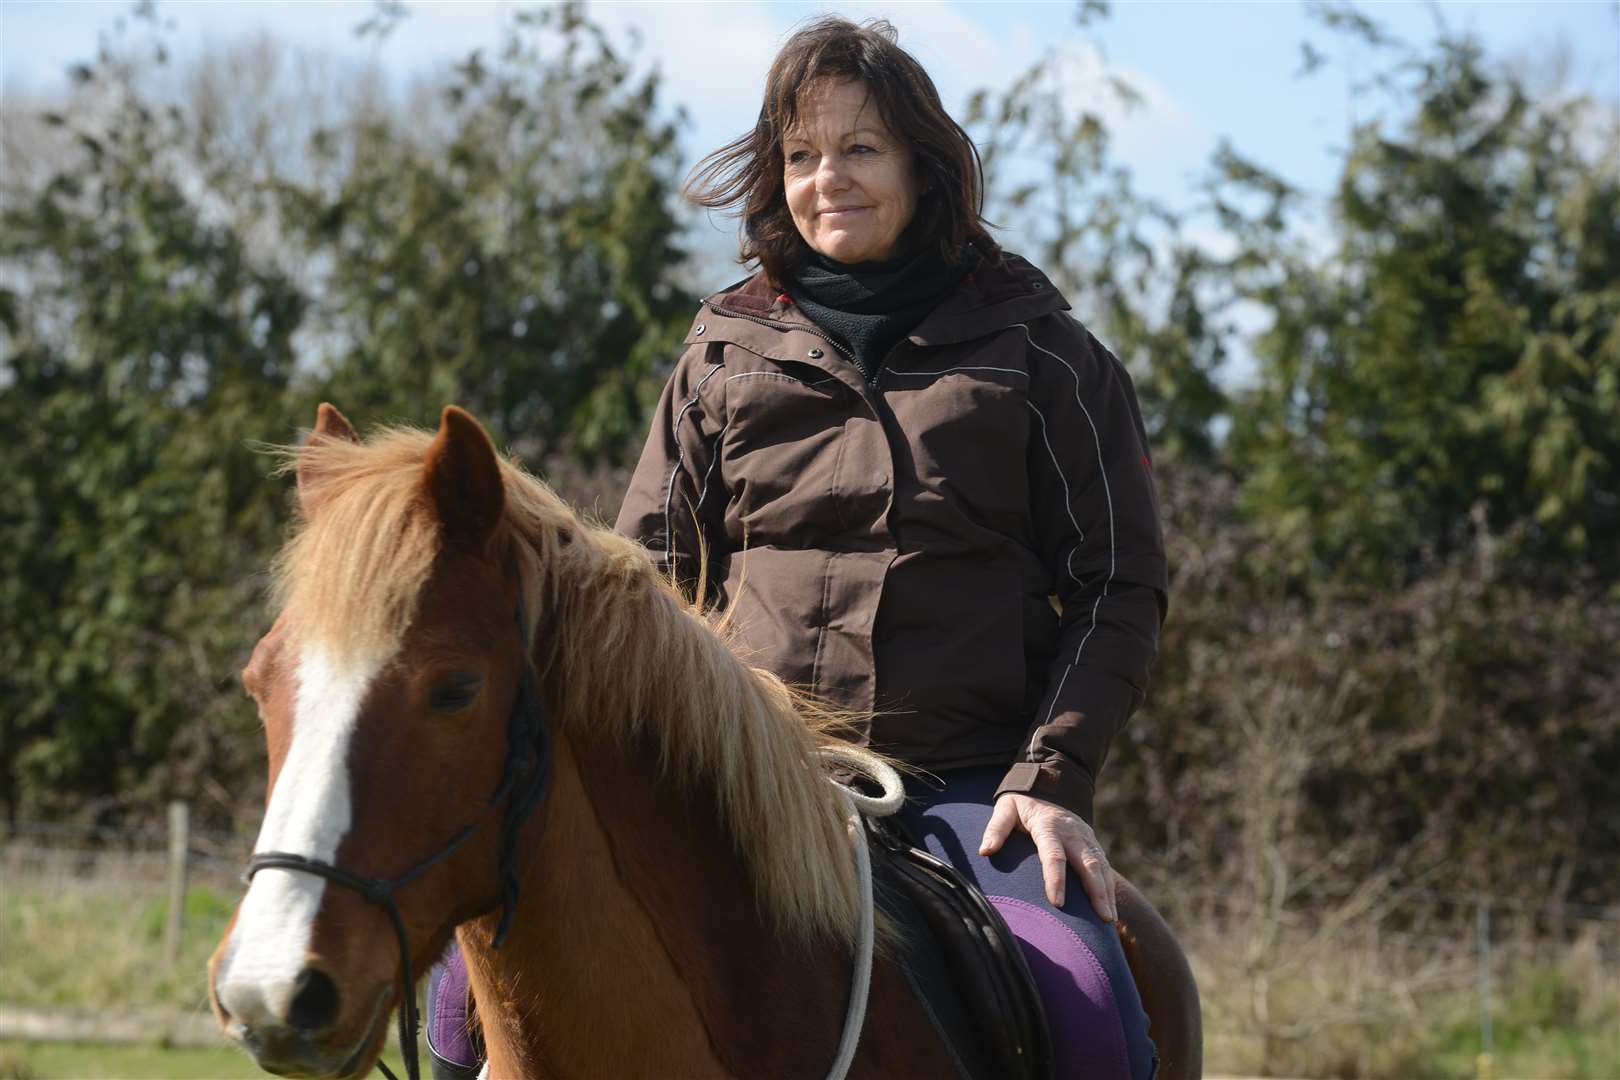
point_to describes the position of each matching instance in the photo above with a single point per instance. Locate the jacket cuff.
(1057, 781)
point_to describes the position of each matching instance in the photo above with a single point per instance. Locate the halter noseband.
(527, 771)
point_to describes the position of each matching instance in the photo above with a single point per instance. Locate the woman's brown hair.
(746, 173)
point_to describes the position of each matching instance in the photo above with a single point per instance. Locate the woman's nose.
(831, 175)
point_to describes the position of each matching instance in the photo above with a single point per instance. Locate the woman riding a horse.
(885, 451)
(916, 487)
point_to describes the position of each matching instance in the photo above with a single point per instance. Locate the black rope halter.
(527, 771)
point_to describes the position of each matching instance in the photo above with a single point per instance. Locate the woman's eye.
(798, 157)
(861, 148)
(455, 693)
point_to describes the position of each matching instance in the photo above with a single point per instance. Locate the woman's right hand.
(1063, 839)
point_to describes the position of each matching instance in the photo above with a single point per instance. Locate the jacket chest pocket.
(966, 432)
(781, 450)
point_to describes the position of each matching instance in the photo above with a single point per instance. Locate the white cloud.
(959, 53)
(1155, 127)
(720, 81)
(713, 56)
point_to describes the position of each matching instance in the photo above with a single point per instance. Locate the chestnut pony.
(488, 719)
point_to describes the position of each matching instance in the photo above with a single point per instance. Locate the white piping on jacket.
(778, 375)
(680, 456)
(964, 367)
(1068, 499)
(1108, 498)
(709, 475)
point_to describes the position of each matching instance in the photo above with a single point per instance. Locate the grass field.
(1364, 1012)
(1357, 1013)
(101, 947)
(98, 947)
(66, 1061)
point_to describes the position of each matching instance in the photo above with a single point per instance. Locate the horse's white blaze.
(308, 815)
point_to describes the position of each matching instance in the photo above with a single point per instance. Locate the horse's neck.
(640, 949)
(581, 987)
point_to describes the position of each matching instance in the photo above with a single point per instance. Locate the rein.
(378, 891)
(527, 772)
(858, 804)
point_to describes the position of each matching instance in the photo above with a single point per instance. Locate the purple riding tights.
(1099, 1031)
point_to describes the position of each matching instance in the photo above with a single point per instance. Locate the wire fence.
(96, 857)
(1360, 955)
(93, 857)
(1378, 960)
(1419, 917)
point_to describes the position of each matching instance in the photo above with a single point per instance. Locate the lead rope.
(856, 804)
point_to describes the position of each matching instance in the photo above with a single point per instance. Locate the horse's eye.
(455, 692)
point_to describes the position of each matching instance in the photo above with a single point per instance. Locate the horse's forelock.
(351, 574)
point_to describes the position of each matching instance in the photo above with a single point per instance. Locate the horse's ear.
(463, 478)
(329, 424)
(333, 424)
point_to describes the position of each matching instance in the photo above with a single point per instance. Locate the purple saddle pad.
(447, 1028)
(1088, 1038)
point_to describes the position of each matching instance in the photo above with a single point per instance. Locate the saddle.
(973, 982)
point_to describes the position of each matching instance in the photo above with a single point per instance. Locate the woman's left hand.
(1063, 839)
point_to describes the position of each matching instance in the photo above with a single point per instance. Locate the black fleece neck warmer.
(870, 306)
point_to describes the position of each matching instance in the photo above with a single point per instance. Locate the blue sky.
(1209, 69)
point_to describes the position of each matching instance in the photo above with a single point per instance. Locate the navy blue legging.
(949, 821)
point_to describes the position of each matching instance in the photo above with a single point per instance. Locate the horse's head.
(393, 694)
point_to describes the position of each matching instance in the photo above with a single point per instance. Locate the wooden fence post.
(1484, 1066)
(179, 844)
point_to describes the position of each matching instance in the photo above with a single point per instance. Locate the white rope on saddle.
(857, 803)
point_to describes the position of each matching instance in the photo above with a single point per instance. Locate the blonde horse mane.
(625, 657)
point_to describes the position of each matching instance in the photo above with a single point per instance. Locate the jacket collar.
(765, 322)
(992, 298)
(989, 299)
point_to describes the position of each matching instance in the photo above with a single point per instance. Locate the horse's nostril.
(315, 1005)
(219, 1002)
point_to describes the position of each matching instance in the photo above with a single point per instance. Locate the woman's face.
(851, 186)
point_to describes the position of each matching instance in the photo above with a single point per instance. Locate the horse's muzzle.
(304, 1043)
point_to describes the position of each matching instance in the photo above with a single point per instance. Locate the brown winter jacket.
(907, 546)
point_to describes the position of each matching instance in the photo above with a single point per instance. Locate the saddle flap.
(985, 960)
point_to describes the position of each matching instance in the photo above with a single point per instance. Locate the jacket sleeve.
(676, 502)
(1096, 520)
